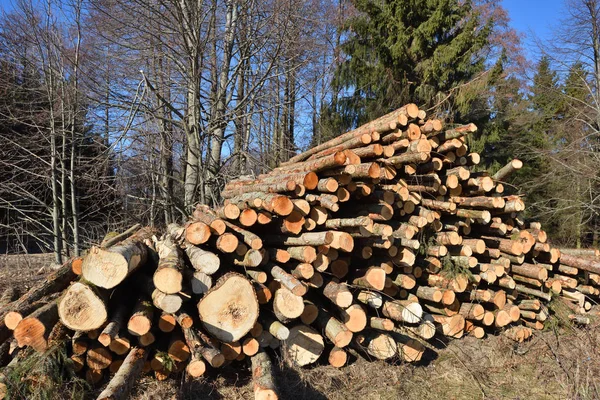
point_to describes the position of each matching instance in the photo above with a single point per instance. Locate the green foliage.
(401, 51)
(451, 270)
(559, 315)
(45, 376)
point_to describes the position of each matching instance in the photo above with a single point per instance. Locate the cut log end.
(230, 309)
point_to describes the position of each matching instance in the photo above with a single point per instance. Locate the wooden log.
(381, 124)
(339, 294)
(98, 358)
(111, 330)
(263, 385)
(106, 268)
(140, 321)
(170, 303)
(203, 260)
(168, 277)
(583, 264)
(450, 326)
(403, 311)
(337, 357)
(12, 318)
(216, 224)
(286, 305)
(286, 279)
(304, 345)
(373, 278)
(120, 345)
(121, 384)
(34, 330)
(354, 317)
(82, 308)
(252, 240)
(379, 345)
(10, 294)
(230, 308)
(507, 170)
(334, 329)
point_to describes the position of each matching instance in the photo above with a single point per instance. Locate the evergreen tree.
(401, 51)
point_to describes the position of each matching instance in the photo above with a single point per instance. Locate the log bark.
(121, 384)
(111, 330)
(262, 377)
(304, 345)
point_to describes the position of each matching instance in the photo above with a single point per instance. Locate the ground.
(560, 363)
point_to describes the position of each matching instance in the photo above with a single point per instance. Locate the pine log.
(507, 170)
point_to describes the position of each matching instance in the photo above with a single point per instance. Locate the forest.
(115, 112)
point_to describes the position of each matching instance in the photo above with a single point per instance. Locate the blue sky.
(534, 18)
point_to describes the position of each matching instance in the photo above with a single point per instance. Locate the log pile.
(373, 243)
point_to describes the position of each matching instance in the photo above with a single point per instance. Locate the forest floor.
(559, 363)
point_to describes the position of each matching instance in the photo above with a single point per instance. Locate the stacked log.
(374, 243)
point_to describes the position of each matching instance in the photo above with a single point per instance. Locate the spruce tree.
(400, 51)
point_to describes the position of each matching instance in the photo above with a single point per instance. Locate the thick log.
(230, 308)
(106, 268)
(82, 308)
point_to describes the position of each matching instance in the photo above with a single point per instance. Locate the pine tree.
(401, 51)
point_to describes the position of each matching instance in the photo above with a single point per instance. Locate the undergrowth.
(44, 376)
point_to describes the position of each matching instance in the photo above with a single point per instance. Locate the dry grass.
(21, 270)
(551, 366)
